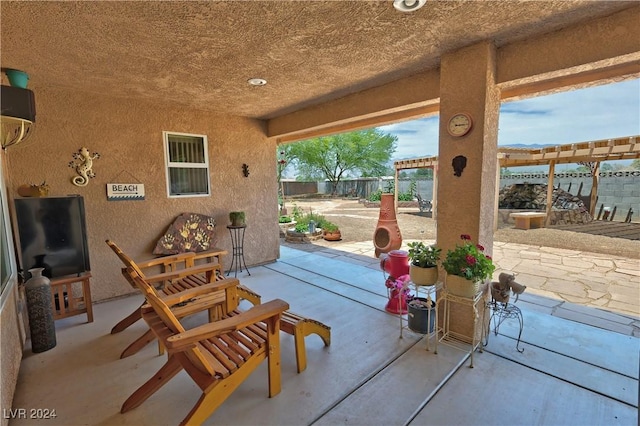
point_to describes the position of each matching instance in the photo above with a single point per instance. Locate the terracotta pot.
(387, 235)
(332, 235)
(460, 286)
(423, 276)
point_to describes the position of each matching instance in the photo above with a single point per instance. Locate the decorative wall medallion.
(459, 163)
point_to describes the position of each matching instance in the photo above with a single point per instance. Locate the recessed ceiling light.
(408, 5)
(257, 81)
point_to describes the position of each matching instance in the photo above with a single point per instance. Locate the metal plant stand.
(454, 339)
(237, 243)
(501, 311)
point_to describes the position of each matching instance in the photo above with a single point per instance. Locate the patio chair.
(219, 355)
(178, 276)
(182, 281)
(423, 205)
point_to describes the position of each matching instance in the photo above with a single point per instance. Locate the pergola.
(595, 152)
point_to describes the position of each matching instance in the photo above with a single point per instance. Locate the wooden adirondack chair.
(187, 281)
(219, 355)
(179, 275)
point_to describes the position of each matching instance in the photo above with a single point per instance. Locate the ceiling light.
(408, 5)
(257, 81)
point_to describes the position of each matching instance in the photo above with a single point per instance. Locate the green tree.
(366, 152)
(635, 164)
(424, 173)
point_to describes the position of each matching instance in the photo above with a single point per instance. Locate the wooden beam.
(593, 195)
(572, 80)
(552, 171)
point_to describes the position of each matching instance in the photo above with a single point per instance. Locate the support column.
(466, 203)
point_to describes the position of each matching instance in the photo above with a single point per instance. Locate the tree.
(366, 152)
(635, 164)
(424, 173)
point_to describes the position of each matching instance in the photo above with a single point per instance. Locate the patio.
(569, 372)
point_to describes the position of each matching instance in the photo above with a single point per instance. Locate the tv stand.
(71, 296)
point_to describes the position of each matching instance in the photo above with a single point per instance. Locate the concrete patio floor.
(569, 373)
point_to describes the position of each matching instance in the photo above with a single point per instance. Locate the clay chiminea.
(387, 235)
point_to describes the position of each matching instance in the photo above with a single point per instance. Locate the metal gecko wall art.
(83, 163)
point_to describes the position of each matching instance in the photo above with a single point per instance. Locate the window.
(187, 161)
(8, 273)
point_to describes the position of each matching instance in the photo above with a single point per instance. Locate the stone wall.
(620, 189)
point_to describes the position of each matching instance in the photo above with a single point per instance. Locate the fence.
(620, 188)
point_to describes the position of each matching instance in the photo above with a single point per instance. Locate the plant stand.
(237, 243)
(429, 293)
(454, 339)
(500, 312)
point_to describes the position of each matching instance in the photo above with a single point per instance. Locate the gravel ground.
(358, 223)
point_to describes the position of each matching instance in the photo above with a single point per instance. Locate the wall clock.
(460, 124)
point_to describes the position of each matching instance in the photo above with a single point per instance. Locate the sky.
(602, 112)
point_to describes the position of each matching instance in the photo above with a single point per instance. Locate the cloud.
(602, 112)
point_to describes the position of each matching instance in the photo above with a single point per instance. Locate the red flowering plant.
(469, 261)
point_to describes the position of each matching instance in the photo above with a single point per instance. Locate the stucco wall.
(11, 353)
(128, 135)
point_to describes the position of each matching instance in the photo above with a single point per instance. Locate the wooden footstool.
(296, 325)
(529, 220)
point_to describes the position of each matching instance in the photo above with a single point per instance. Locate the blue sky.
(602, 112)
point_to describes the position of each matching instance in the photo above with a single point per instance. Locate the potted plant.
(237, 218)
(422, 315)
(467, 268)
(330, 231)
(423, 267)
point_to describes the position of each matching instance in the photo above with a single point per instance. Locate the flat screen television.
(53, 235)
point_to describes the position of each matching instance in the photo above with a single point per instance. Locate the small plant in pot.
(423, 266)
(237, 218)
(330, 231)
(422, 314)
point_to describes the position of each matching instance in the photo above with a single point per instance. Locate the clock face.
(459, 124)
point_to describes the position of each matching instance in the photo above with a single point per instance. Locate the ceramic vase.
(40, 309)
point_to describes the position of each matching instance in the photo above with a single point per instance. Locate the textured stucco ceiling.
(200, 54)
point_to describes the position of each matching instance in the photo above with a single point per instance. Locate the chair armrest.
(214, 252)
(181, 273)
(173, 299)
(165, 260)
(187, 339)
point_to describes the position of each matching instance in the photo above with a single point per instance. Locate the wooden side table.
(72, 296)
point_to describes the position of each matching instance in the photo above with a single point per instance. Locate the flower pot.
(423, 276)
(420, 318)
(237, 218)
(17, 78)
(332, 235)
(460, 286)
